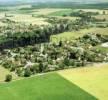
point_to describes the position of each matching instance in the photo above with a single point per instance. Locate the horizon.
(77, 1)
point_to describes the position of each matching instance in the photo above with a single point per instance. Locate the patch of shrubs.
(8, 78)
(27, 72)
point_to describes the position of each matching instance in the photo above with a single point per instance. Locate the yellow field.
(103, 31)
(76, 34)
(2, 24)
(95, 10)
(24, 18)
(4, 72)
(27, 19)
(102, 17)
(93, 79)
(46, 11)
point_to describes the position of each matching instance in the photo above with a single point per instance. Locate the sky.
(85, 1)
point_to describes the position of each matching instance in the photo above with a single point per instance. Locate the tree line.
(38, 34)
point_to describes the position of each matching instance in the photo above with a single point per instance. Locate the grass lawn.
(94, 79)
(45, 87)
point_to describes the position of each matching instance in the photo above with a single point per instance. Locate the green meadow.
(45, 87)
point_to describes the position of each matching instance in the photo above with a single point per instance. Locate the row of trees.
(37, 35)
(82, 13)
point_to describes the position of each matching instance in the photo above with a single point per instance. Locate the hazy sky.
(59, 0)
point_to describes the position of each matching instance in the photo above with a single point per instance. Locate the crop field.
(61, 12)
(2, 24)
(47, 11)
(4, 72)
(53, 53)
(92, 79)
(102, 17)
(25, 16)
(46, 87)
(68, 11)
(28, 19)
(74, 82)
(95, 10)
(76, 34)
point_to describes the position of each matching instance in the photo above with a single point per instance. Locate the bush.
(35, 68)
(66, 61)
(13, 67)
(7, 64)
(27, 72)
(72, 62)
(61, 65)
(19, 72)
(8, 78)
(40, 67)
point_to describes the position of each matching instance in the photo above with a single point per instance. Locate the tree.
(60, 43)
(64, 15)
(19, 72)
(66, 61)
(7, 64)
(13, 67)
(61, 65)
(104, 12)
(40, 67)
(35, 68)
(8, 78)
(27, 72)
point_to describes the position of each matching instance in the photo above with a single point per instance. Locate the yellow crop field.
(4, 72)
(93, 79)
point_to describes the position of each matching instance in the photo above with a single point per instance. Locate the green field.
(84, 83)
(61, 13)
(103, 49)
(93, 79)
(75, 84)
(45, 87)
